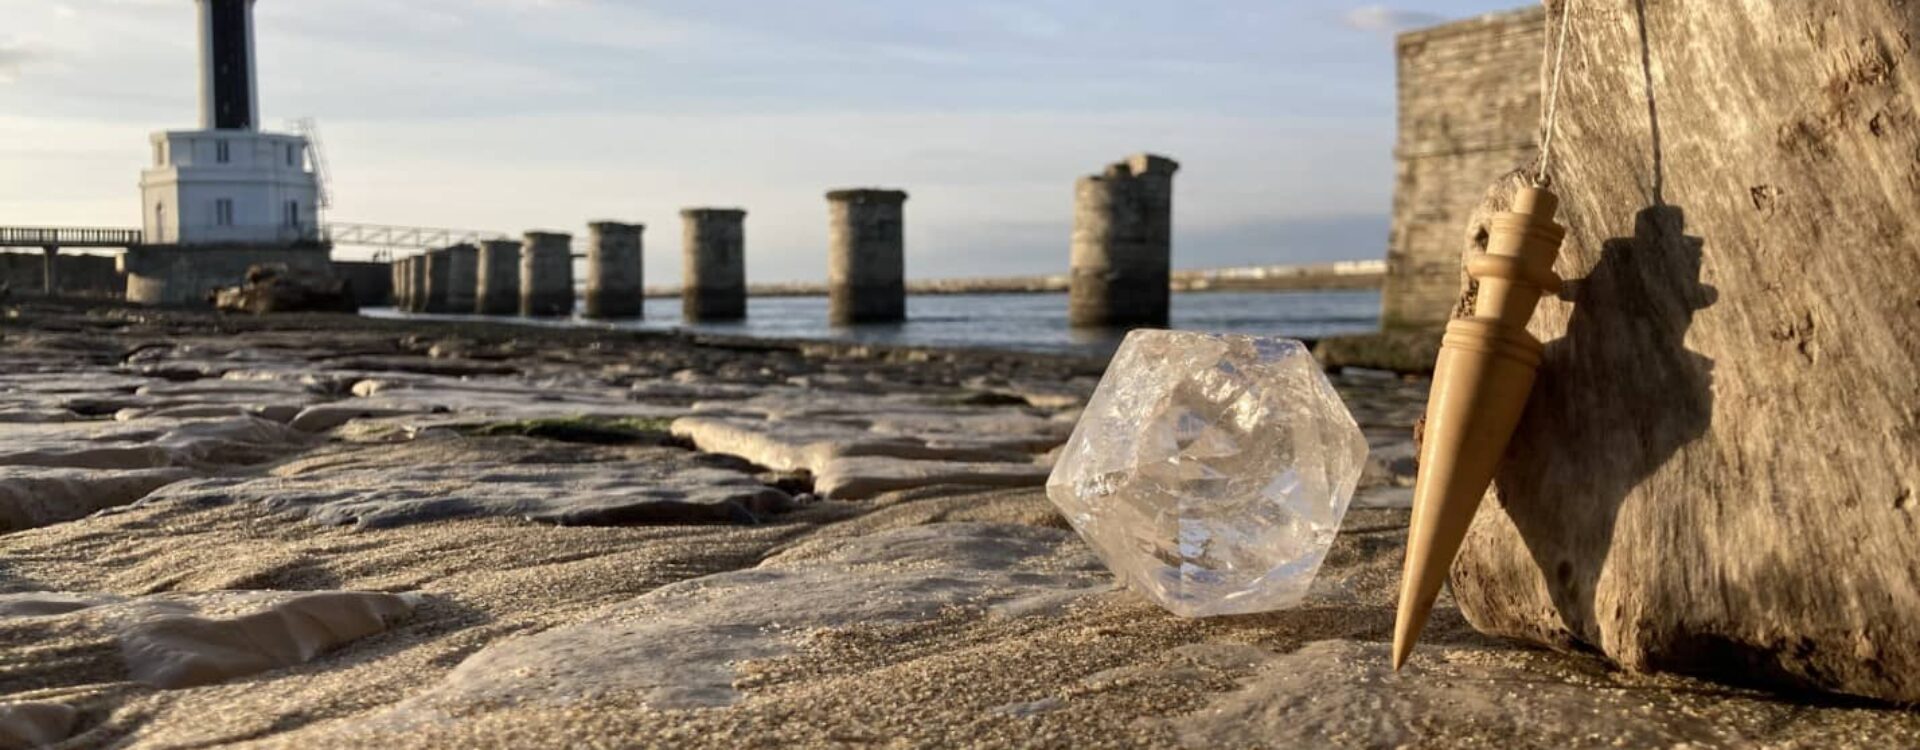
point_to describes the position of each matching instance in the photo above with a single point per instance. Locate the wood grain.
(1719, 469)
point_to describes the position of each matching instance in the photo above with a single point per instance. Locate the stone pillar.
(1123, 244)
(417, 283)
(497, 278)
(398, 268)
(713, 264)
(462, 278)
(546, 274)
(866, 263)
(614, 270)
(50, 272)
(439, 280)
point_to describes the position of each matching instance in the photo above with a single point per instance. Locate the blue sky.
(509, 115)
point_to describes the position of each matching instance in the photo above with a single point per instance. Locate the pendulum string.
(1553, 96)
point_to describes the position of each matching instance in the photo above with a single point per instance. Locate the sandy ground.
(940, 615)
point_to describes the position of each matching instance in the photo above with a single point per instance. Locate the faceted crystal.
(1211, 472)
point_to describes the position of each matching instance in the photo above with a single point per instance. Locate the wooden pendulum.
(1480, 384)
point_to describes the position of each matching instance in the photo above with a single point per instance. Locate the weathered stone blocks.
(713, 264)
(546, 274)
(1123, 244)
(866, 263)
(497, 278)
(615, 275)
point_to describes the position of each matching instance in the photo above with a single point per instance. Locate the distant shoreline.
(1342, 275)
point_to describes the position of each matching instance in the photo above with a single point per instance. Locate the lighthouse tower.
(226, 196)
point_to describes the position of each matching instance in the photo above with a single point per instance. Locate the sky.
(509, 115)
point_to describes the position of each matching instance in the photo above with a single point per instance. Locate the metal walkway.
(380, 236)
(68, 237)
(409, 238)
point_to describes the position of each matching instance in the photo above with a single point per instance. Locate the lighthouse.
(225, 196)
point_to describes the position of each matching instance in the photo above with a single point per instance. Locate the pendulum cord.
(1480, 383)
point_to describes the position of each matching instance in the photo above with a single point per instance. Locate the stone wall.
(1469, 113)
(370, 281)
(176, 275)
(76, 275)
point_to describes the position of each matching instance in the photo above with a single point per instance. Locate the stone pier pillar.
(497, 278)
(713, 265)
(50, 272)
(439, 280)
(546, 274)
(417, 283)
(615, 276)
(463, 266)
(1122, 244)
(397, 267)
(866, 256)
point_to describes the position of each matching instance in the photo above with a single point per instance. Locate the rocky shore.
(328, 531)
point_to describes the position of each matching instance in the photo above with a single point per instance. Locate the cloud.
(1389, 20)
(14, 56)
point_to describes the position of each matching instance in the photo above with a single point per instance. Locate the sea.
(1020, 322)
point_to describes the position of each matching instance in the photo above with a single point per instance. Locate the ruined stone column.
(713, 264)
(546, 274)
(50, 275)
(439, 280)
(615, 275)
(866, 263)
(1122, 244)
(462, 278)
(417, 283)
(397, 267)
(497, 278)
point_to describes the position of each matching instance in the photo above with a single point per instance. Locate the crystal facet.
(1211, 472)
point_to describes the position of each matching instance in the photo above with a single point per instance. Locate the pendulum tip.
(1408, 622)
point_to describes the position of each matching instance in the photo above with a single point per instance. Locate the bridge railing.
(68, 237)
(396, 237)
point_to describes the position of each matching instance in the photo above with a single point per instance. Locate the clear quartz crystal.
(1211, 472)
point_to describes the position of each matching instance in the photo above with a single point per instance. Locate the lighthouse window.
(291, 155)
(293, 213)
(223, 212)
(220, 152)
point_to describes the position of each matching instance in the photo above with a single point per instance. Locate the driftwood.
(1719, 469)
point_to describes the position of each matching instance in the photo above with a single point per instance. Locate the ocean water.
(1027, 322)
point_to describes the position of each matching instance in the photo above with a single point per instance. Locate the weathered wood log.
(1719, 469)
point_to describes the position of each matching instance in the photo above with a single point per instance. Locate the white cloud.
(14, 56)
(512, 114)
(991, 193)
(1390, 20)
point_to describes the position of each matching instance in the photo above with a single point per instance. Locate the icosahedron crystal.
(1210, 471)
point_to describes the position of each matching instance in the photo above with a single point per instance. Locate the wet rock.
(1045, 395)
(35, 724)
(1345, 694)
(377, 486)
(862, 477)
(175, 640)
(184, 650)
(324, 417)
(150, 444)
(423, 365)
(679, 646)
(858, 446)
(508, 398)
(276, 288)
(33, 496)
